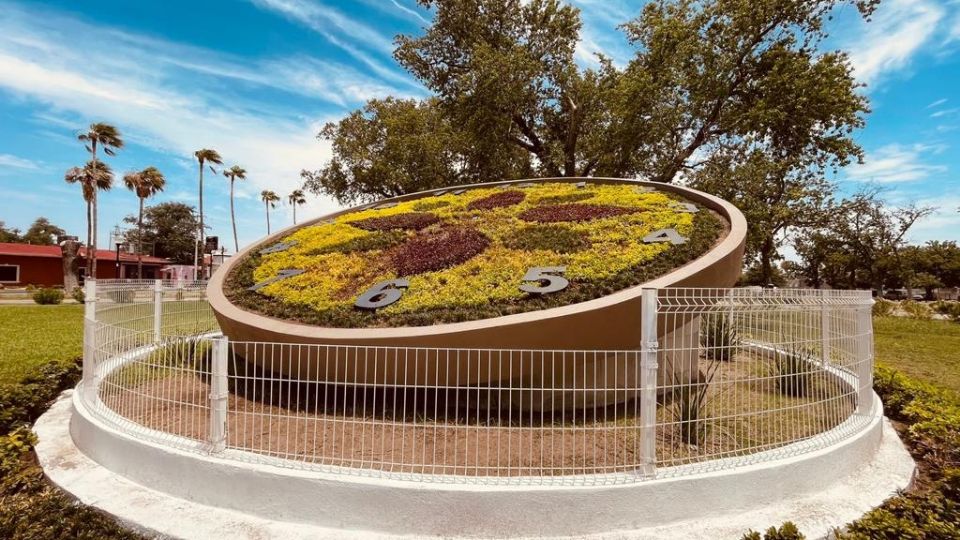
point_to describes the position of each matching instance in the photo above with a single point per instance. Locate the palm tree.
(107, 137)
(205, 155)
(269, 199)
(296, 197)
(234, 173)
(92, 177)
(145, 183)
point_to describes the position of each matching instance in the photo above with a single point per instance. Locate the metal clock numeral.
(547, 281)
(665, 235)
(382, 294)
(277, 248)
(283, 274)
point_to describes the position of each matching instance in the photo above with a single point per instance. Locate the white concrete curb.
(197, 496)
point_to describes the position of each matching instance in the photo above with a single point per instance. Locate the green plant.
(916, 310)
(787, 531)
(78, 294)
(950, 309)
(794, 371)
(883, 307)
(719, 337)
(690, 401)
(48, 296)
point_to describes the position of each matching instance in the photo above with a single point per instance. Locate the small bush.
(48, 296)
(690, 404)
(916, 310)
(30, 287)
(719, 337)
(794, 372)
(883, 307)
(567, 198)
(787, 531)
(950, 309)
(78, 294)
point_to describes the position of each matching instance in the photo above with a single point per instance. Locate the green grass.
(928, 351)
(33, 335)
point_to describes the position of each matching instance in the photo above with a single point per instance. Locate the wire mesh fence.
(725, 377)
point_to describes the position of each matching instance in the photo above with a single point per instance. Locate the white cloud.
(898, 30)
(944, 112)
(896, 163)
(936, 103)
(14, 162)
(942, 224)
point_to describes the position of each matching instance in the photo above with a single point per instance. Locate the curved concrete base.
(197, 496)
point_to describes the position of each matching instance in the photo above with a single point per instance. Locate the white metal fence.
(725, 377)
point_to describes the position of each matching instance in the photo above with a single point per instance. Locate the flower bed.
(463, 255)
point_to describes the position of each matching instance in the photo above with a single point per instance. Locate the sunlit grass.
(922, 349)
(31, 335)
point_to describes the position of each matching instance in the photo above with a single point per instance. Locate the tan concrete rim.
(734, 239)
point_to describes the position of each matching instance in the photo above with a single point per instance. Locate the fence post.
(89, 340)
(824, 329)
(218, 395)
(648, 382)
(157, 309)
(865, 359)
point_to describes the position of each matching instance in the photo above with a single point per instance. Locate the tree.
(396, 146)
(42, 233)
(296, 198)
(269, 199)
(108, 138)
(234, 173)
(93, 177)
(862, 246)
(145, 184)
(171, 227)
(9, 235)
(204, 156)
(706, 75)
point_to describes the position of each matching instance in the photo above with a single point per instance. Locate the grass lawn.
(925, 350)
(33, 335)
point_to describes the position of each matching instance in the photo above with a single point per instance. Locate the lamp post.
(118, 258)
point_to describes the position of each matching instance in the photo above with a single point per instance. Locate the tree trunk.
(266, 206)
(89, 238)
(233, 220)
(294, 213)
(140, 241)
(766, 261)
(69, 250)
(202, 250)
(93, 226)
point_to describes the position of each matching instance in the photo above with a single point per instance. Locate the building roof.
(32, 250)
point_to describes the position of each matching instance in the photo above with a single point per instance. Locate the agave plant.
(719, 337)
(794, 371)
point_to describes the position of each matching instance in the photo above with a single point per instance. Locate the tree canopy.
(171, 228)
(710, 82)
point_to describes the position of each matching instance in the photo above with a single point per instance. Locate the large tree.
(42, 232)
(396, 146)
(205, 156)
(11, 235)
(105, 137)
(234, 173)
(144, 184)
(171, 228)
(93, 177)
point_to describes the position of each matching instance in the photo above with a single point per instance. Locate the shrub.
(78, 294)
(121, 296)
(690, 401)
(443, 249)
(794, 372)
(883, 307)
(557, 238)
(370, 242)
(787, 531)
(497, 200)
(48, 296)
(950, 309)
(916, 310)
(553, 213)
(410, 221)
(426, 206)
(719, 337)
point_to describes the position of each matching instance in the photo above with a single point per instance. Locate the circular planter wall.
(527, 349)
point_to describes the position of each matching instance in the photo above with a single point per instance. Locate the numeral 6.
(382, 294)
(546, 282)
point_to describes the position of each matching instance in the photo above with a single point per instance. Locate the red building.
(27, 264)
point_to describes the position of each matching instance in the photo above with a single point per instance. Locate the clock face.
(467, 254)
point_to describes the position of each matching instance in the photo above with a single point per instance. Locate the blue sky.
(256, 80)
